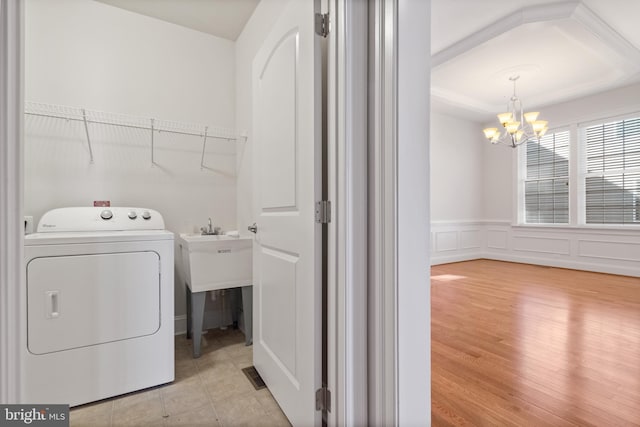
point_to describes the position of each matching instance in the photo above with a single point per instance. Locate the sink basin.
(216, 261)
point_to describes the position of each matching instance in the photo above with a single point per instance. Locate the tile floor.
(209, 391)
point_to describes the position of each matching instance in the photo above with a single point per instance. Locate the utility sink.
(214, 262)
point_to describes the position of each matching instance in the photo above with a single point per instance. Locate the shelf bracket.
(153, 162)
(204, 146)
(86, 130)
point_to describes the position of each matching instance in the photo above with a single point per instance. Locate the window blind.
(612, 180)
(546, 186)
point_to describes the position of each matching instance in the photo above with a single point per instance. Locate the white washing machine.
(98, 318)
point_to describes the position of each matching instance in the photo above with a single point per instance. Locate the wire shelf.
(152, 125)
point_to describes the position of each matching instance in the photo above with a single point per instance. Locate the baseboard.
(569, 264)
(180, 324)
(437, 260)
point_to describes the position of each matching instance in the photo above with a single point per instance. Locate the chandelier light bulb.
(538, 126)
(505, 118)
(531, 116)
(512, 127)
(489, 133)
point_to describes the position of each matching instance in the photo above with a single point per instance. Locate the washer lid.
(100, 219)
(75, 237)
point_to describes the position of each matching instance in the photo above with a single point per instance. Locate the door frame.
(11, 193)
(413, 221)
(379, 239)
(348, 230)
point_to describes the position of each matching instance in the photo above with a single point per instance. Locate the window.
(546, 185)
(612, 178)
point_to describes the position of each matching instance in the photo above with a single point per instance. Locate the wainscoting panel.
(497, 239)
(456, 241)
(545, 245)
(625, 251)
(446, 241)
(470, 239)
(605, 249)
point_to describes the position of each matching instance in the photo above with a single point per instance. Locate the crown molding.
(574, 10)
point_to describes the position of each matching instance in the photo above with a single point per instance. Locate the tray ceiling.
(561, 50)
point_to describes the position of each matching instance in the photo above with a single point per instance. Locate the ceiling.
(221, 18)
(560, 49)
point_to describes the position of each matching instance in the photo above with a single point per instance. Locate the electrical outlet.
(28, 224)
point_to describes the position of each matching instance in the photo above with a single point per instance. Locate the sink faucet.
(210, 229)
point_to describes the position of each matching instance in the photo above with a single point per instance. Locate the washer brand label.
(48, 225)
(224, 251)
(34, 415)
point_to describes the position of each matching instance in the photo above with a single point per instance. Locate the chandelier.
(518, 126)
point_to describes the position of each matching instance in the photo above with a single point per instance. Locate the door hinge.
(323, 212)
(322, 24)
(323, 399)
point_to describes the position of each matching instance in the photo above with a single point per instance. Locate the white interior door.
(287, 170)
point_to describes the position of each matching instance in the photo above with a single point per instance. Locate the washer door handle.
(53, 304)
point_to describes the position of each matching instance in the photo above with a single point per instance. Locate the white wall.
(496, 234)
(87, 54)
(456, 169)
(247, 45)
(498, 180)
(457, 190)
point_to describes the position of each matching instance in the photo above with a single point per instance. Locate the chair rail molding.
(613, 250)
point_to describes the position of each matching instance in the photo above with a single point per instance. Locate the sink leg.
(186, 286)
(197, 314)
(247, 310)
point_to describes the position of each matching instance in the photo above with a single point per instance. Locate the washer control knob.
(132, 215)
(106, 214)
(146, 215)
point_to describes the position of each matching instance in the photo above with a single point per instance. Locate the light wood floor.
(522, 345)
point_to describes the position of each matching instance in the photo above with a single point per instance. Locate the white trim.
(591, 229)
(572, 265)
(597, 117)
(335, 175)
(520, 172)
(180, 324)
(573, 10)
(575, 162)
(347, 112)
(606, 33)
(458, 223)
(613, 251)
(413, 308)
(11, 199)
(609, 119)
(382, 331)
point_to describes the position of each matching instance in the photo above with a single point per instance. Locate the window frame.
(582, 173)
(577, 168)
(522, 180)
